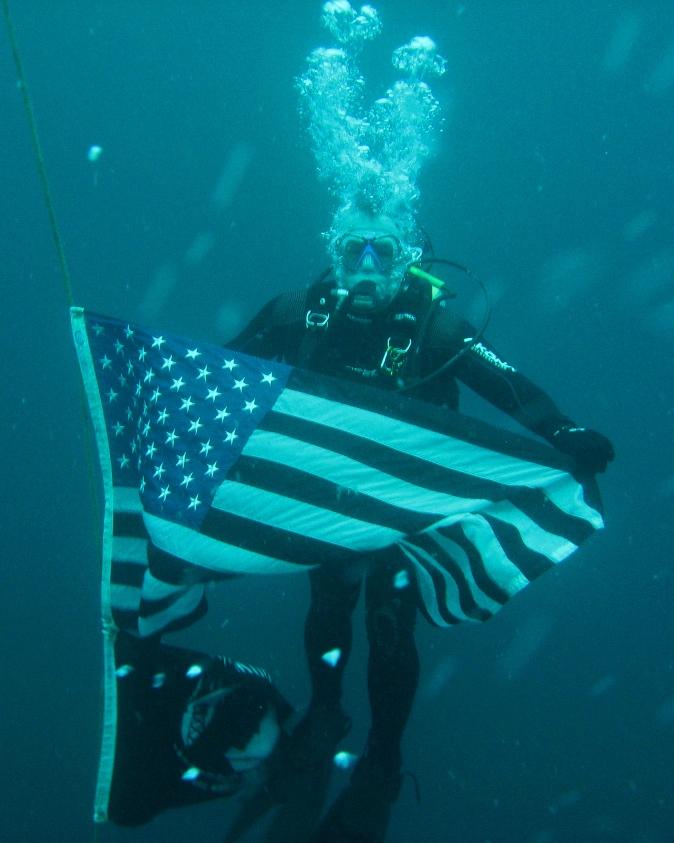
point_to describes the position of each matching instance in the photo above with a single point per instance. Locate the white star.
(231, 436)
(187, 479)
(128, 332)
(178, 384)
(122, 379)
(171, 438)
(119, 346)
(149, 374)
(105, 361)
(151, 448)
(123, 461)
(118, 428)
(194, 426)
(159, 471)
(141, 488)
(98, 329)
(192, 353)
(165, 492)
(213, 394)
(240, 384)
(194, 503)
(269, 378)
(161, 417)
(212, 468)
(221, 415)
(186, 403)
(229, 364)
(139, 388)
(203, 373)
(129, 368)
(111, 395)
(129, 413)
(146, 428)
(250, 406)
(206, 447)
(156, 395)
(168, 363)
(157, 342)
(142, 354)
(182, 460)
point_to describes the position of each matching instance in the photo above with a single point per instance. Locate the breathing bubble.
(94, 153)
(419, 58)
(349, 26)
(370, 156)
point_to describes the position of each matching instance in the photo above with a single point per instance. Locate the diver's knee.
(389, 625)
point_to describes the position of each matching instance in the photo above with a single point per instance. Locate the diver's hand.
(589, 448)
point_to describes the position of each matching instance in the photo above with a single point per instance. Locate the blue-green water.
(555, 721)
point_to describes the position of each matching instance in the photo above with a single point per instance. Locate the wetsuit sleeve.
(499, 382)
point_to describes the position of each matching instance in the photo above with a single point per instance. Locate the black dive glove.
(590, 449)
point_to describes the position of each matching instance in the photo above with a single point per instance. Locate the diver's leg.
(327, 633)
(393, 667)
(309, 751)
(361, 812)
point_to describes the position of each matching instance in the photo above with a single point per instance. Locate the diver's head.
(370, 256)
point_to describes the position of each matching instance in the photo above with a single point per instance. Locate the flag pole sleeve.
(109, 726)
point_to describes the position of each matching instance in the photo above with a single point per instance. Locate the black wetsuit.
(293, 328)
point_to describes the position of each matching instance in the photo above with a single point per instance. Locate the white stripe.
(128, 549)
(460, 558)
(154, 589)
(569, 497)
(356, 476)
(452, 600)
(125, 598)
(426, 587)
(182, 608)
(301, 518)
(426, 445)
(499, 568)
(438, 448)
(554, 547)
(127, 499)
(212, 554)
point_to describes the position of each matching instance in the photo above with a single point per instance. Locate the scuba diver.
(374, 321)
(378, 318)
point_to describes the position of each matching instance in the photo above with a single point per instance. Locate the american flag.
(215, 464)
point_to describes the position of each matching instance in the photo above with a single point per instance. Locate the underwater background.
(554, 181)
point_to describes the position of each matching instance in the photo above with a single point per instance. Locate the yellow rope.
(63, 264)
(39, 158)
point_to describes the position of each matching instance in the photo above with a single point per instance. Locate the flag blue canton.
(177, 415)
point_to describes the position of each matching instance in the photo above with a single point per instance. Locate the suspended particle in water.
(332, 657)
(194, 671)
(123, 670)
(345, 760)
